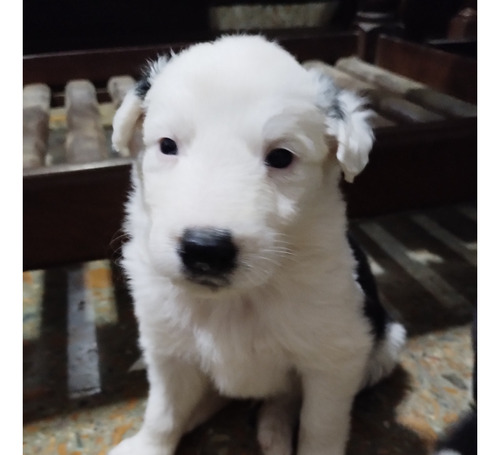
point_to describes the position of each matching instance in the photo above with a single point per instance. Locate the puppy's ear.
(132, 105)
(346, 121)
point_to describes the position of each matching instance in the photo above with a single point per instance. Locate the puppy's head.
(241, 144)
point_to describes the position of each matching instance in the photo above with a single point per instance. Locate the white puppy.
(244, 281)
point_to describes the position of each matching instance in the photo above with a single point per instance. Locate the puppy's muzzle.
(208, 255)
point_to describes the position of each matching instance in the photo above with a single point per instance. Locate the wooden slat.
(409, 89)
(379, 121)
(441, 290)
(118, 86)
(416, 274)
(406, 111)
(36, 105)
(348, 82)
(391, 106)
(83, 353)
(342, 79)
(446, 237)
(85, 140)
(433, 254)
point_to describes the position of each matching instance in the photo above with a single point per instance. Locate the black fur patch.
(148, 72)
(330, 92)
(373, 309)
(142, 87)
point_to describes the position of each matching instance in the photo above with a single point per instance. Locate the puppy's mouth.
(209, 282)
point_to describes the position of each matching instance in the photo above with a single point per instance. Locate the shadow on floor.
(45, 358)
(375, 429)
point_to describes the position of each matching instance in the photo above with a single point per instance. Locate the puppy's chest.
(242, 356)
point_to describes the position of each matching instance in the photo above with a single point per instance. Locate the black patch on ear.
(336, 110)
(148, 72)
(330, 92)
(142, 87)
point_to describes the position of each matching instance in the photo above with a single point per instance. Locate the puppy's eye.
(279, 158)
(168, 146)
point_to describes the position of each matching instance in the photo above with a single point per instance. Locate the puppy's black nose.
(208, 251)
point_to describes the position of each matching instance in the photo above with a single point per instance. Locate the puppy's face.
(236, 150)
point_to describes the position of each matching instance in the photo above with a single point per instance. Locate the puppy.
(244, 281)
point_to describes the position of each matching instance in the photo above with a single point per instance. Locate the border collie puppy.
(244, 280)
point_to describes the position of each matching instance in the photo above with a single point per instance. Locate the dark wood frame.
(447, 72)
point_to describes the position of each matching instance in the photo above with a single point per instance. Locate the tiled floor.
(80, 341)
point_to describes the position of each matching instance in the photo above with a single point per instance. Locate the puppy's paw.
(274, 431)
(275, 439)
(138, 445)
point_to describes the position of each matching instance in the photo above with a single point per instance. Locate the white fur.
(124, 122)
(289, 328)
(385, 356)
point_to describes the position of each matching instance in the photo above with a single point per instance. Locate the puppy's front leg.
(326, 410)
(176, 389)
